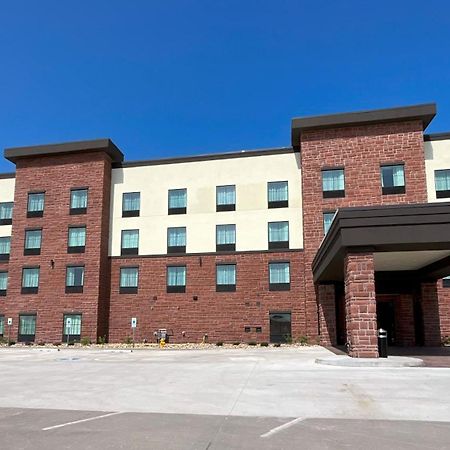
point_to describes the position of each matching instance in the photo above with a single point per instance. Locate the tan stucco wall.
(437, 156)
(200, 178)
(6, 195)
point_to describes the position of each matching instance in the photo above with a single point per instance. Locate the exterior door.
(386, 318)
(280, 327)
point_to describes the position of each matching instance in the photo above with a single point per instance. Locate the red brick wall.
(56, 175)
(327, 314)
(444, 310)
(360, 150)
(404, 320)
(221, 315)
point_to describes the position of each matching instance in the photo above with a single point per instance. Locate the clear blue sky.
(165, 78)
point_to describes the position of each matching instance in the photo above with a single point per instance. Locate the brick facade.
(327, 314)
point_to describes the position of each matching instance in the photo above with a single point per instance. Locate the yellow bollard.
(162, 343)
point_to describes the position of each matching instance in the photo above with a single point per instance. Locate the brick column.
(327, 314)
(444, 309)
(360, 305)
(430, 312)
(404, 318)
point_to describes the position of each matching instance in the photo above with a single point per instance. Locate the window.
(225, 277)
(279, 278)
(333, 183)
(3, 283)
(71, 327)
(27, 327)
(2, 326)
(441, 182)
(176, 279)
(74, 279)
(30, 280)
(78, 201)
(130, 242)
(446, 282)
(35, 204)
(258, 329)
(32, 242)
(277, 193)
(225, 238)
(5, 248)
(393, 179)
(131, 204)
(129, 277)
(177, 201)
(77, 240)
(226, 198)
(6, 213)
(327, 220)
(176, 240)
(278, 235)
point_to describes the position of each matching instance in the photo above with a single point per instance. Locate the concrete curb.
(391, 361)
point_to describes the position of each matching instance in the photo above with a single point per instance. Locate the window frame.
(176, 289)
(132, 212)
(278, 203)
(79, 248)
(178, 210)
(75, 289)
(338, 193)
(5, 256)
(444, 193)
(128, 250)
(280, 286)
(39, 213)
(77, 211)
(27, 337)
(9, 220)
(33, 289)
(226, 287)
(393, 190)
(274, 245)
(32, 251)
(128, 289)
(227, 206)
(72, 337)
(324, 213)
(176, 248)
(3, 292)
(226, 247)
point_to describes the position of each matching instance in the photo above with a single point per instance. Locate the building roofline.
(7, 175)
(424, 112)
(437, 136)
(206, 157)
(106, 145)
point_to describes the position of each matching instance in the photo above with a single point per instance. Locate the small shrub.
(277, 344)
(303, 340)
(252, 343)
(219, 344)
(288, 339)
(12, 343)
(101, 340)
(264, 344)
(41, 343)
(85, 341)
(236, 343)
(56, 344)
(128, 340)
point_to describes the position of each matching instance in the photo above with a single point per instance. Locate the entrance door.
(386, 318)
(280, 327)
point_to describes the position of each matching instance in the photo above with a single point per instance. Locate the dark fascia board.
(382, 228)
(424, 112)
(7, 175)
(437, 136)
(207, 157)
(105, 145)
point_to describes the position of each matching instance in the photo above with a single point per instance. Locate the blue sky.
(167, 78)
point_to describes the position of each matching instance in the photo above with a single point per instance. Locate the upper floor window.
(446, 282)
(129, 277)
(131, 204)
(176, 240)
(442, 183)
(279, 276)
(5, 248)
(78, 201)
(6, 210)
(278, 235)
(3, 283)
(225, 277)
(333, 184)
(129, 242)
(327, 220)
(225, 238)
(35, 204)
(30, 280)
(176, 279)
(74, 279)
(393, 179)
(177, 201)
(33, 240)
(277, 194)
(226, 198)
(77, 240)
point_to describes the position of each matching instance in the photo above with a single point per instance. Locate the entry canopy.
(413, 238)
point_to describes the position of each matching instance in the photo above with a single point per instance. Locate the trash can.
(382, 343)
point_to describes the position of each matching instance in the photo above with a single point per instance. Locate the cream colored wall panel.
(250, 175)
(7, 189)
(437, 156)
(5, 230)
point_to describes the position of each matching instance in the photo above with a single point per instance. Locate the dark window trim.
(393, 190)
(228, 207)
(74, 289)
(442, 194)
(35, 214)
(29, 290)
(129, 251)
(76, 211)
(392, 163)
(128, 290)
(132, 213)
(279, 286)
(225, 288)
(173, 211)
(247, 329)
(31, 251)
(225, 247)
(334, 194)
(176, 249)
(179, 289)
(4, 256)
(446, 282)
(3, 292)
(79, 249)
(5, 221)
(273, 245)
(279, 204)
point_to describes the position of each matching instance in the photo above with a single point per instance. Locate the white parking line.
(80, 421)
(281, 427)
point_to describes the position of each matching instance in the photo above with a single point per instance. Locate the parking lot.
(215, 399)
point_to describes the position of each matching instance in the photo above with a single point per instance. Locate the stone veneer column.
(430, 313)
(360, 305)
(327, 314)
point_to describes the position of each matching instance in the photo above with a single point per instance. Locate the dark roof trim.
(436, 136)
(424, 112)
(207, 157)
(105, 145)
(7, 175)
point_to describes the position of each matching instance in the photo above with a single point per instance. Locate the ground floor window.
(27, 327)
(71, 327)
(2, 326)
(280, 327)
